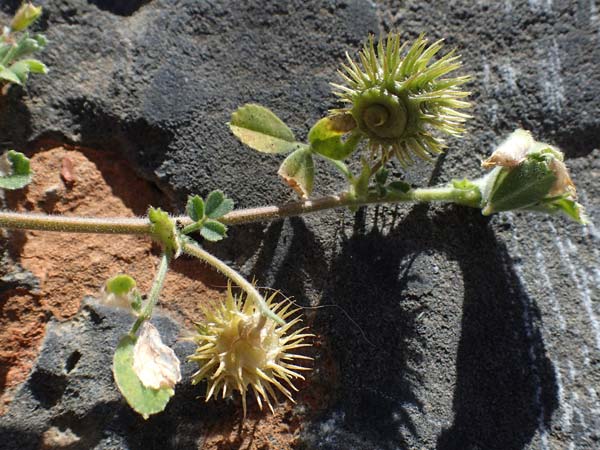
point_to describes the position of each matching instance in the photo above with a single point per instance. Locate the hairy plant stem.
(448, 194)
(195, 250)
(157, 285)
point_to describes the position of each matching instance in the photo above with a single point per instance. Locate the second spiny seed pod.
(398, 101)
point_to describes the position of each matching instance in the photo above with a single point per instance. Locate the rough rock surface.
(447, 330)
(69, 400)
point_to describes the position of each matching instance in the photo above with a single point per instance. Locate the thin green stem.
(30, 221)
(195, 250)
(157, 285)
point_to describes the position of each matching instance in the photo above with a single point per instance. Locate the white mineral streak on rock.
(546, 285)
(529, 332)
(539, 6)
(551, 82)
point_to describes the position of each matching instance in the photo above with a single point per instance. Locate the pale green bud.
(25, 16)
(529, 175)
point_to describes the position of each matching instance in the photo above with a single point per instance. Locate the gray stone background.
(468, 333)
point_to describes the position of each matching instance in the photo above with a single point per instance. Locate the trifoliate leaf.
(143, 400)
(195, 208)
(165, 231)
(298, 171)
(217, 205)
(260, 129)
(213, 231)
(15, 171)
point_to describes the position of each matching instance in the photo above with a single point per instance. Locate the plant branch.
(157, 285)
(47, 222)
(195, 250)
(446, 194)
(30, 221)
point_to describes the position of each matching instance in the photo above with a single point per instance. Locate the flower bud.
(25, 16)
(511, 152)
(155, 364)
(120, 291)
(529, 175)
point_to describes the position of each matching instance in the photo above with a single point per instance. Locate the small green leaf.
(22, 68)
(25, 46)
(564, 205)
(361, 184)
(120, 284)
(143, 400)
(195, 208)
(15, 171)
(325, 138)
(260, 129)
(463, 184)
(9, 75)
(399, 186)
(165, 231)
(298, 171)
(217, 205)
(213, 230)
(381, 176)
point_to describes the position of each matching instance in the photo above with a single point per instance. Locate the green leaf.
(463, 184)
(143, 400)
(120, 284)
(213, 230)
(381, 176)
(26, 46)
(325, 137)
(361, 184)
(260, 129)
(298, 171)
(165, 231)
(398, 186)
(9, 75)
(195, 208)
(15, 171)
(217, 205)
(563, 205)
(520, 187)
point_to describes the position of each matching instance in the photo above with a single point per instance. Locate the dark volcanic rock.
(70, 396)
(457, 332)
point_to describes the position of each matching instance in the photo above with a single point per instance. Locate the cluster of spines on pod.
(398, 97)
(239, 349)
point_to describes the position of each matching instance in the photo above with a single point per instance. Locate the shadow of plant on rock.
(504, 385)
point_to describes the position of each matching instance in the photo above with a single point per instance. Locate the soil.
(86, 182)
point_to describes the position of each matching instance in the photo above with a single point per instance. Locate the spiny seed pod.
(398, 101)
(239, 349)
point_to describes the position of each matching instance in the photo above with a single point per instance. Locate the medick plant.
(397, 103)
(17, 46)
